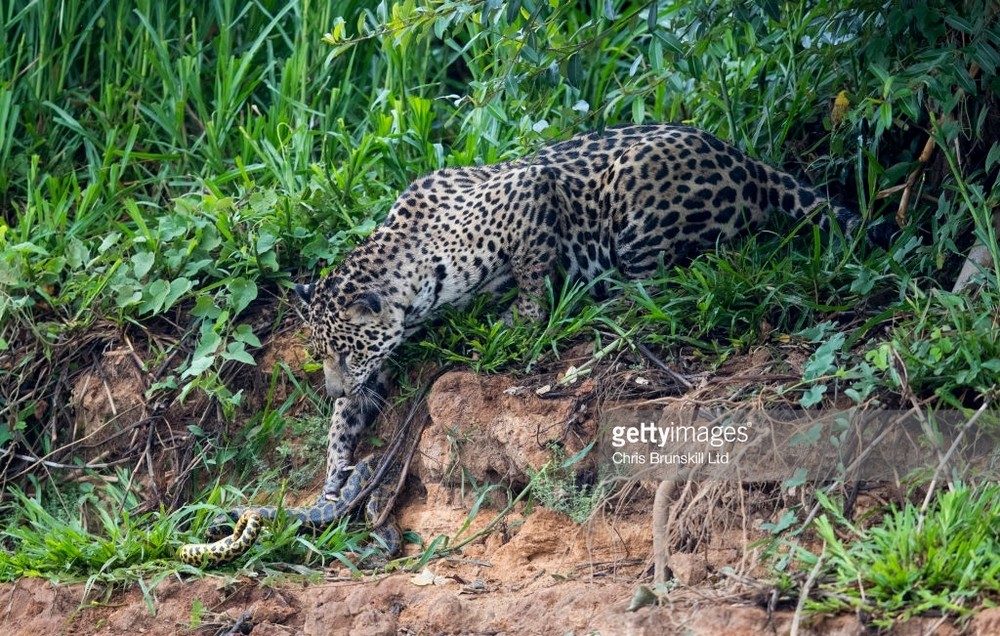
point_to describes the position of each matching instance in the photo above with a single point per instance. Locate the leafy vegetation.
(167, 169)
(556, 487)
(914, 561)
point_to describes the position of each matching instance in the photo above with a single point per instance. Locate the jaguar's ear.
(305, 292)
(367, 305)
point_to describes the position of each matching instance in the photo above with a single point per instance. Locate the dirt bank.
(535, 571)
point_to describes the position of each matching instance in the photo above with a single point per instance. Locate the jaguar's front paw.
(334, 484)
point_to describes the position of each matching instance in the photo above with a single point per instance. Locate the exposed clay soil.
(536, 572)
(391, 604)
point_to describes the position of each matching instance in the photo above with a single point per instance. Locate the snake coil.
(226, 547)
(373, 481)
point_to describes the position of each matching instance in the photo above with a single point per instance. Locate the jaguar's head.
(352, 329)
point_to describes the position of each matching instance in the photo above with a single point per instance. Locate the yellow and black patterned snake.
(373, 482)
(316, 518)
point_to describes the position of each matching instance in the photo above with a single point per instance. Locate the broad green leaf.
(266, 242)
(609, 10)
(142, 262)
(813, 396)
(198, 366)
(178, 287)
(656, 55)
(263, 202)
(77, 253)
(959, 23)
(127, 294)
(816, 333)
(243, 333)
(513, 11)
(671, 41)
(153, 296)
(208, 343)
(108, 241)
(993, 156)
(237, 351)
(823, 359)
(28, 247)
(242, 292)
(205, 307)
(986, 57)
(864, 282)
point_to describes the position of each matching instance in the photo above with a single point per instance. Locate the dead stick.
(911, 180)
(924, 159)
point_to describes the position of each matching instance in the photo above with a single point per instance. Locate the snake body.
(226, 546)
(373, 481)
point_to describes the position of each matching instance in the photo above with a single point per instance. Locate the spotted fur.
(629, 199)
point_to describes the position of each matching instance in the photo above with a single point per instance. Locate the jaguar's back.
(634, 195)
(628, 198)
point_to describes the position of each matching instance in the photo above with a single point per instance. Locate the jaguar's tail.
(784, 192)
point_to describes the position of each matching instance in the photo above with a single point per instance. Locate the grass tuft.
(943, 559)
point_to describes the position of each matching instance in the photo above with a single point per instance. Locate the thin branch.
(804, 593)
(37, 461)
(951, 451)
(680, 379)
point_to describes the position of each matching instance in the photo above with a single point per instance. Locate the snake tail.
(226, 549)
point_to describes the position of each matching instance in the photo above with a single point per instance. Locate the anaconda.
(225, 547)
(375, 482)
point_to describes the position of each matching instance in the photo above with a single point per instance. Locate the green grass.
(168, 169)
(64, 546)
(97, 540)
(940, 560)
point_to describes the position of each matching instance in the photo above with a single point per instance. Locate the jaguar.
(628, 199)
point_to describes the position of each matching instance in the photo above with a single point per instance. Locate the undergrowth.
(916, 561)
